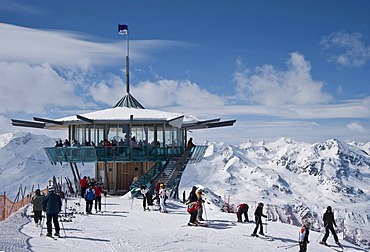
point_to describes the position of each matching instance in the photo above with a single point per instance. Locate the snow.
(294, 180)
(124, 226)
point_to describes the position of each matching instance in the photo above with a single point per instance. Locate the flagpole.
(127, 66)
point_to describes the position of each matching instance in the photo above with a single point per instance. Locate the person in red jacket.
(242, 209)
(98, 192)
(83, 186)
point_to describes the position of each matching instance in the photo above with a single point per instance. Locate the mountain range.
(295, 180)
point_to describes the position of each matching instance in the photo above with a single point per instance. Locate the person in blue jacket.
(89, 198)
(52, 205)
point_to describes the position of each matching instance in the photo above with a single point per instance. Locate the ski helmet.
(328, 208)
(260, 204)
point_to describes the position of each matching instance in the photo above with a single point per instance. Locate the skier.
(192, 195)
(147, 198)
(37, 202)
(303, 236)
(258, 218)
(329, 223)
(89, 198)
(52, 205)
(192, 209)
(83, 186)
(242, 209)
(200, 200)
(156, 190)
(98, 191)
(162, 198)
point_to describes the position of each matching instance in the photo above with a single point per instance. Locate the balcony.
(86, 154)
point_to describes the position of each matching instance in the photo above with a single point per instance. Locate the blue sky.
(295, 69)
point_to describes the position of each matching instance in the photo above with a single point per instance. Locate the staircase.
(169, 172)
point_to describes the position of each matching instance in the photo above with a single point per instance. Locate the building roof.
(124, 115)
(129, 101)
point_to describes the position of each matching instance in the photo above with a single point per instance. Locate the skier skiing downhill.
(329, 223)
(303, 236)
(258, 218)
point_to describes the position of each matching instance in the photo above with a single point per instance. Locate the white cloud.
(271, 87)
(66, 49)
(34, 89)
(181, 94)
(355, 126)
(347, 49)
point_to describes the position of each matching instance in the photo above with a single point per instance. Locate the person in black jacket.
(303, 236)
(258, 218)
(52, 206)
(193, 195)
(329, 224)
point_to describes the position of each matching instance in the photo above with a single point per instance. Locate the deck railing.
(87, 154)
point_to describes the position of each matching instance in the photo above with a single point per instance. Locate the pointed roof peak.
(129, 101)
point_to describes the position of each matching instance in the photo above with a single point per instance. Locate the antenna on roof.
(123, 30)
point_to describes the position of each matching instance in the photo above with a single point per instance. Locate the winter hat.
(51, 188)
(328, 208)
(260, 204)
(37, 192)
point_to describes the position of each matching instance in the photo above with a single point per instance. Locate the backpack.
(193, 206)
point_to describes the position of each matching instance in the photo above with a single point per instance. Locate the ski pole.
(132, 202)
(288, 246)
(42, 224)
(205, 212)
(65, 235)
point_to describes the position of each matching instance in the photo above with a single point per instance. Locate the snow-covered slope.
(296, 180)
(24, 162)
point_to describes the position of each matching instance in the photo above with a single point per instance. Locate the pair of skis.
(336, 247)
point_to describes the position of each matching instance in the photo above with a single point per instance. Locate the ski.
(196, 225)
(336, 247)
(51, 237)
(266, 238)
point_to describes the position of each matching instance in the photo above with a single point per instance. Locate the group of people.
(51, 205)
(160, 196)
(92, 192)
(195, 206)
(195, 209)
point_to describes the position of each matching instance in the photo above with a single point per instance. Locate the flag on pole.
(122, 29)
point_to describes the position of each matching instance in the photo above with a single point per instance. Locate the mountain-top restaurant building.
(127, 143)
(133, 146)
